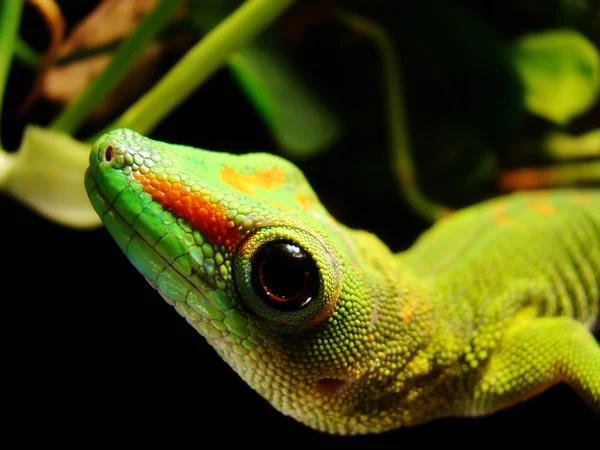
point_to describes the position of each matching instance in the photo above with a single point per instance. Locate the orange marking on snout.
(268, 179)
(194, 207)
(541, 207)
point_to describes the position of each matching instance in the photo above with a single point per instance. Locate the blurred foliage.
(45, 174)
(487, 87)
(561, 73)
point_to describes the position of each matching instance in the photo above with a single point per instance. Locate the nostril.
(108, 153)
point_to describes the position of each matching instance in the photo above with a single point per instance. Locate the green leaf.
(71, 118)
(240, 28)
(27, 55)
(564, 146)
(47, 173)
(561, 73)
(10, 19)
(300, 123)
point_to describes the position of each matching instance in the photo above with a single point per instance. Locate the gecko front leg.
(536, 354)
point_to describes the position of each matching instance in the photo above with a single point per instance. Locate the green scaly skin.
(492, 305)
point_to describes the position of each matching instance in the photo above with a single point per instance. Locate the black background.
(91, 353)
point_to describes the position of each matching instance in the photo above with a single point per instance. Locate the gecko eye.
(284, 276)
(287, 276)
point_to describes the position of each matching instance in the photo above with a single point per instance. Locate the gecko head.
(244, 251)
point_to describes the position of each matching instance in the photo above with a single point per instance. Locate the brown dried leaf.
(111, 21)
(55, 22)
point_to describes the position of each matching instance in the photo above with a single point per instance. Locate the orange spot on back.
(500, 213)
(583, 198)
(541, 207)
(304, 201)
(268, 179)
(208, 218)
(502, 220)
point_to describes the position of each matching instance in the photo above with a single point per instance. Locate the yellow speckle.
(304, 201)
(500, 215)
(269, 179)
(407, 312)
(541, 207)
(583, 198)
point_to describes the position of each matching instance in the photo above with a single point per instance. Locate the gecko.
(489, 307)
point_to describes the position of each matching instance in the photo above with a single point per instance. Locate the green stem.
(7, 161)
(562, 146)
(88, 53)
(587, 172)
(200, 62)
(72, 117)
(174, 29)
(397, 123)
(27, 55)
(10, 18)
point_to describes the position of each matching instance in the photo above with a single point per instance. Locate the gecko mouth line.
(93, 185)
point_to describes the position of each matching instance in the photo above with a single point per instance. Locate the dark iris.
(284, 275)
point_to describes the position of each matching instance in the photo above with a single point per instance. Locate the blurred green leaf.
(301, 124)
(239, 28)
(77, 111)
(565, 146)
(47, 173)
(456, 115)
(27, 55)
(10, 19)
(561, 73)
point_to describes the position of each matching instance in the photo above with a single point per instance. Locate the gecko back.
(518, 281)
(544, 245)
(490, 306)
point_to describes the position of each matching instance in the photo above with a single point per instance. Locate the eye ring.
(284, 275)
(291, 303)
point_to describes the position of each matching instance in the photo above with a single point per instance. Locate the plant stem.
(72, 117)
(562, 146)
(10, 18)
(587, 172)
(396, 112)
(200, 62)
(25, 54)
(7, 161)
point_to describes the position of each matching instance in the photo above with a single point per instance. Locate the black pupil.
(284, 276)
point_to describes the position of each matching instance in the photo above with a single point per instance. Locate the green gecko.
(489, 307)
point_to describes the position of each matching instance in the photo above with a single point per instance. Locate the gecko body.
(492, 305)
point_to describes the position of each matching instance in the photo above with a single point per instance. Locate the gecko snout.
(111, 150)
(123, 149)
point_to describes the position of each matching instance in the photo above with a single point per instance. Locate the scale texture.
(492, 305)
